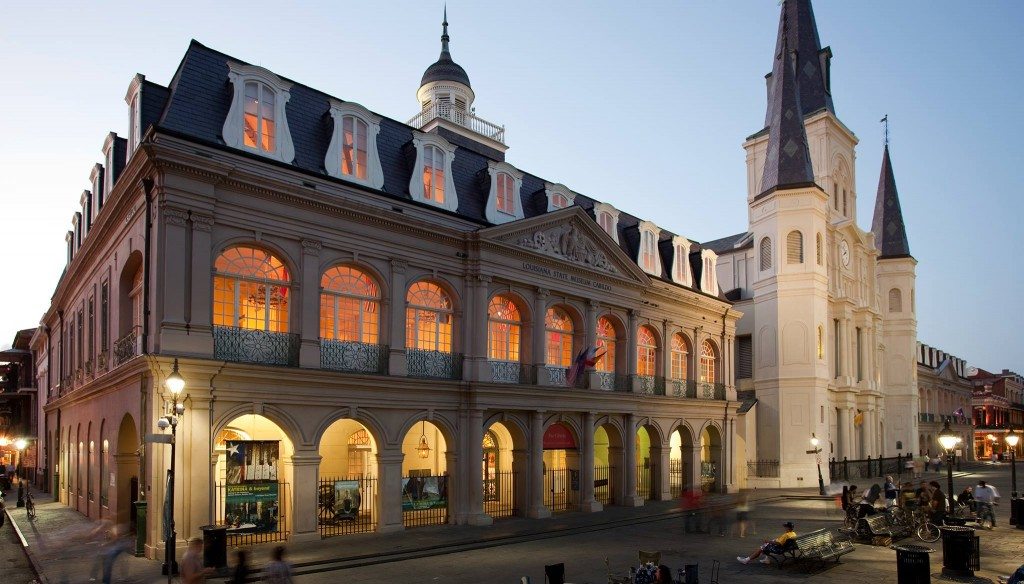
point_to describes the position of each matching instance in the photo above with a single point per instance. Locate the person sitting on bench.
(775, 546)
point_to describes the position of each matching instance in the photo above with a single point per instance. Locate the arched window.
(250, 290)
(353, 147)
(558, 330)
(433, 174)
(503, 328)
(707, 362)
(428, 318)
(349, 306)
(259, 126)
(605, 342)
(818, 251)
(795, 248)
(648, 254)
(766, 254)
(680, 356)
(558, 201)
(506, 204)
(606, 222)
(646, 350)
(895, 300)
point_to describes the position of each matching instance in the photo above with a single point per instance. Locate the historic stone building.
(379, 324)
(827, 340)
(944, 395)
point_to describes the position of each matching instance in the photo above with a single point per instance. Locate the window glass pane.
(606, 340)
(361, 133)
(251, 114)
(347, 145)
(680, 355)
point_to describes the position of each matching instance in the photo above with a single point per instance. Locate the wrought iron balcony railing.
(433, 364)
(255, 346)
(686, 388)
(353, 357)
(126, 347)
(763, 468)
(609, 381)
(511, 372)
(557, 376)
(707, 390)
(448, 111)
(650, 385)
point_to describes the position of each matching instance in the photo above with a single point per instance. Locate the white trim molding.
(133, 98)
(612, 212)
(551, 190)
(709, 273)
(654, 233)
(681, 261)
(494, 169)
(234, 125)
(332, 161)
(419, 140)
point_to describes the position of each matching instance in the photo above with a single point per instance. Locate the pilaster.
(309, 313)
(588, 503)
(537, 510)
(630, 497)
(397, 365)
(305, 467)
(389, 489)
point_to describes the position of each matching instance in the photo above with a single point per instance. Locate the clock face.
(844, 252)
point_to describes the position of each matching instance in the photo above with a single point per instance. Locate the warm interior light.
(4, 441)
(948, 439)
(1012, 438)
(20, 443)
(175, 382)
(423, 448)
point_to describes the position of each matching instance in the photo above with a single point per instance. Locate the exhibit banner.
(347, 499)
(424, 493)
(252, 494)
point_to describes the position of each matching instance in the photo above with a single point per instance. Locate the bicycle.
(922, 526)
(986, 516)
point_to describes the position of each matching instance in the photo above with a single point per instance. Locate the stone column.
(537, 510)
(305, 467)
(666, 354)
(586, 467)
(630, 497)
(842, 432)
(691, 463)
(540, 345)
(479, 368)
(389, 489)
(200, 300)
(474, 468)
(170, 283)
(397, 365)
(591, 335)
(631, 336)
(309, 305)
(195, 445)
(661, 455)
(523, 478)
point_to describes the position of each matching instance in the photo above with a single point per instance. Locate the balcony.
(511, 372)
(926, 417)
(255, 346)
(649, 385)
(706, 390)
(353, 357)
(126, 348)
(682, 388)
(557, 376)
(446, 111)
(610, 381)
(433, 364)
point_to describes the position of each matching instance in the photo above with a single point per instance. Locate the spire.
(445, 69)
(887, 224)
(444, 35)
(787, 159)
(813, 62)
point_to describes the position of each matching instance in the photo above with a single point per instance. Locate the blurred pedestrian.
(775, 546)
(891, 491)
(743, 515)
(241, 572)
(192, 570)
(278, 571)
(663, 575)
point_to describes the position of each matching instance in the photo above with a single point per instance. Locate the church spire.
(887, 224)
(444, 35)
(798, 29)
(787, 158)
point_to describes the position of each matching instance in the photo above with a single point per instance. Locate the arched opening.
(126, 482)
(561, 465)
(681, 460)
(501, 476)
(251, 484)
(90, 455)
(424, 476)
(347, 491)
(611, 360)
(646, 462)
(609, 465)
(505, 339)
(129, 305)
(350, 325)
(710, 459)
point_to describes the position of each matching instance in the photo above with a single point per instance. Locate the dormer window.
(559, 197)
(352, 154)
(432, 178)
(134, 100)
(681, 261)
(709, 276)
(649, 258)
(503, 202)
(257, 120)
(608, 218)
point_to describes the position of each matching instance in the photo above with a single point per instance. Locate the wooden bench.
(817, 545)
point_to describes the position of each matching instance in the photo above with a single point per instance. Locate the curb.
(28, 553)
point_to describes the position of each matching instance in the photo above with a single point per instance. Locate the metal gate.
(500, 494)
(645, 474)
(346, 505)
(424, 500)
(253, 512)
(561, 489)
(676, 480)
(602, 484)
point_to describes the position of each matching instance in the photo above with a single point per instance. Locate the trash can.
(912, 564)
(957, 550)
(1017, 513)
(690, 574)
(215, 546)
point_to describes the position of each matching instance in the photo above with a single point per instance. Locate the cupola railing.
(452, 113)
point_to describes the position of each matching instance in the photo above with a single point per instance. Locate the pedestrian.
(867, 503)
(926, 459)
(985, 496)
(773, 546)
(663, 575)
(966, 497)
(937, 503)
(891, 491)
(278, 571)
(743, 515)
(690, 503)
(241, 572)
(192, 570)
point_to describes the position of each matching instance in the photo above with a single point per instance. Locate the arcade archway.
(347, 491)
(425, 478)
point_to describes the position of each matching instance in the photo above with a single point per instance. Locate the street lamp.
(816, 450)
(949, 440)
(175, 384)
(20, 444)
(1012, 438)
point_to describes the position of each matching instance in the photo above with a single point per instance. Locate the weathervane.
(885, 120)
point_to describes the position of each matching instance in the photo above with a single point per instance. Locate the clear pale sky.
(640, 104)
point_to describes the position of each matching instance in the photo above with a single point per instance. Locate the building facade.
(998, 404)
(827, 340)
(944, 395)
(380, 324)
(19, 406)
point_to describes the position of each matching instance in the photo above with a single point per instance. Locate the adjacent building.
(944, 395)
(998, 404)
(19, 445)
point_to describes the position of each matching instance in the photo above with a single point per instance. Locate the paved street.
(59, 544)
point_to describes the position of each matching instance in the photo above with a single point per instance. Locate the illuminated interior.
(558, 330)
(707, 362)
(505, 202)
(428, 318)
(259, 117)
(606, 342)
(503, 329)
(646, 348)
(353, 149)
(349, 306)
(680, 355)
(433, 174)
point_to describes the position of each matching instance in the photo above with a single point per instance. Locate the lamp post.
(816, 450)
(1012, 438)
(20, 444)
(949, 440)
(174, 383)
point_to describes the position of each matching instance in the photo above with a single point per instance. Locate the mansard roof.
(200, 96)
(887, 224)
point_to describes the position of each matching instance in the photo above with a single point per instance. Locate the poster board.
(252, 496)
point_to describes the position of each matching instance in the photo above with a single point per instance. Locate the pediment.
(571, 236)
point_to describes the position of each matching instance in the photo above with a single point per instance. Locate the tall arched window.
(818, 251)
(505, 202)
(503, 329)
(766, 254)
(795, 247)
(605, 342)
(353, 147)
(606, 221)
(680, 356)
(259, 117)
(250, 290)
(433, 174)
(646, 351)
(707, 362)
(647, 251)
(428, 318)
(895, 300)
(349, 306)
(558, 332)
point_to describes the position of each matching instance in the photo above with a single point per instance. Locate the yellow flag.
(858, 419)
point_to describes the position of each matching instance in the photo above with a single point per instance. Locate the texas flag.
(236, 457)
(587, 358)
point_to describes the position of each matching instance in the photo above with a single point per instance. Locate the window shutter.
(795, 248)
(744, 357)
(766, 254)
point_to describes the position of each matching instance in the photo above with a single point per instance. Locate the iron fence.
(561, 489)
(645, 480)
(557, 376)
(603, 492)
(707, 390)
(424, 500)
(499, 494)
(126, 347)
(763, 468)
(846, 469)
(346, 505)
(434, 364)
(676, 477)
(252, 512)
(685, 388)
(353, 357)
(255, 346)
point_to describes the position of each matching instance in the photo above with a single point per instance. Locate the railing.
(868, 468)
(557, 376)
(706, 390)
(434, 364)
(346, 505)
(499, 494)
(682, 388)
(126, 347)
(676, 478)
(602, 484)
(926, 417)
(353, 357)
(650, 385)
(253, 512)
(609, 381)
(511, 372)
(763, 468)
(447, 111)
(255, 346)
(708, 475)
(645, 473)
(424, 500)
